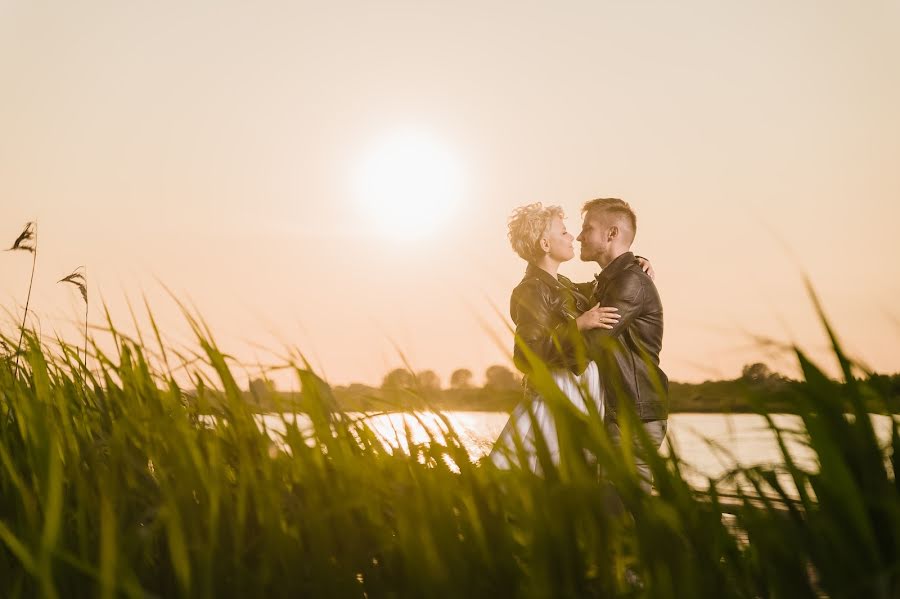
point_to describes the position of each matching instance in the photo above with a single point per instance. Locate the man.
(628, 353)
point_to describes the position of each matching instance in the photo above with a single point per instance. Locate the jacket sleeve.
(625, 292)
(538, 330)
(586, 289)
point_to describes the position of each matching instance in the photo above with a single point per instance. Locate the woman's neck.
(548, 264)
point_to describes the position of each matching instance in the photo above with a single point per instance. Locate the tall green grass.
(114, 483)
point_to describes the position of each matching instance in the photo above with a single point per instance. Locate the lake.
(708, 444)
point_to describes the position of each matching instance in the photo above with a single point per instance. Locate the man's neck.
(610, 258)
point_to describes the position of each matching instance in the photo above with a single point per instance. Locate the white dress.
(576, 388)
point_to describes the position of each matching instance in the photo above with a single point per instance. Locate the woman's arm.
(540, 332)
(646, 267)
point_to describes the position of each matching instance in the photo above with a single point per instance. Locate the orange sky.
(217, 146)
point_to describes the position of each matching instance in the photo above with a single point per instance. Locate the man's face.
(593, 239)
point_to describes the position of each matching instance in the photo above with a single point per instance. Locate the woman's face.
(558, 241)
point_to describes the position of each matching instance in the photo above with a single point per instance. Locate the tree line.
(502, 390)
(496, 377)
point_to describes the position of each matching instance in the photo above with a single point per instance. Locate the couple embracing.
(600, 340)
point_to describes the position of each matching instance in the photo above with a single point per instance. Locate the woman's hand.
(598, 317)
(646, 266)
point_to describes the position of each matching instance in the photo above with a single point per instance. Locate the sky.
(336, 176)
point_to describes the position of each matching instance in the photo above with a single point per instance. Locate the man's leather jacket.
(628, 354)
(544, 310)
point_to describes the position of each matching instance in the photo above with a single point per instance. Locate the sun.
(408, 185)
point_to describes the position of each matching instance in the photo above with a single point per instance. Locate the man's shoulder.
(632, 282)
(631, 275)
(635, 282)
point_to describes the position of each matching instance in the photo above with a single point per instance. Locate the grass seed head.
(77, 278)
(25, 240)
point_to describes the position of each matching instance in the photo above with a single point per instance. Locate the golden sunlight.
(408, 184)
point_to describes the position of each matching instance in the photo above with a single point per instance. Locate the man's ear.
(612, 233)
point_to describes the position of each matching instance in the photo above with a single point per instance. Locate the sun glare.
(408, 185)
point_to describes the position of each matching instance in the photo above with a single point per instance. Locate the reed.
(118, 481)
(78, 278)
(26, 242)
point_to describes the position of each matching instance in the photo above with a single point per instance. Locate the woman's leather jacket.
(544, 310)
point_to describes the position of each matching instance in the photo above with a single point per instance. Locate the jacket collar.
(615, 267)
(543, 275)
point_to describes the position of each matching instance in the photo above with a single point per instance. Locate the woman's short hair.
(527, 225)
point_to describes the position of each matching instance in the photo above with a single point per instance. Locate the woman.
(549, 312)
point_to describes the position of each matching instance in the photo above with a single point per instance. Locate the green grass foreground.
(114, 486)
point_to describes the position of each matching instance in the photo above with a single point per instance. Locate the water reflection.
(709, 445)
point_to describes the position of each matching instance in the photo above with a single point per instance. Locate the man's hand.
(598, 317)
(646, 267)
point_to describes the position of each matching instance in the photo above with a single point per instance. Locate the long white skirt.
(576, 388)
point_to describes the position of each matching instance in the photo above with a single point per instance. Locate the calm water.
(709, 444)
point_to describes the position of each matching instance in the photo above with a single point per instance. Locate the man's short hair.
(527, 225)
(615, 206)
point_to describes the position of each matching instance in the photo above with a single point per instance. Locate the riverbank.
(737, 396)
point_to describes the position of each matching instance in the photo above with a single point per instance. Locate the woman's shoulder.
(534, 280)
(533, 289)
(532, 296)
(529, 286)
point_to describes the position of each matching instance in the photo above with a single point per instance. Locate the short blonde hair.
(614, 206)
(527, 225)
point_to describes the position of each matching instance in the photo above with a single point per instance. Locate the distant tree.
(500, 378)
(885, 384)
(461, 379)
(399, 378)
(261, 388)
(756, 373)
(429, 380)
(359, 388)
(895, 385)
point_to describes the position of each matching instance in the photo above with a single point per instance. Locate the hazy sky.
(228, 150)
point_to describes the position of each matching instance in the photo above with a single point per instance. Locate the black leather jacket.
(544, 310)
(628, 354)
